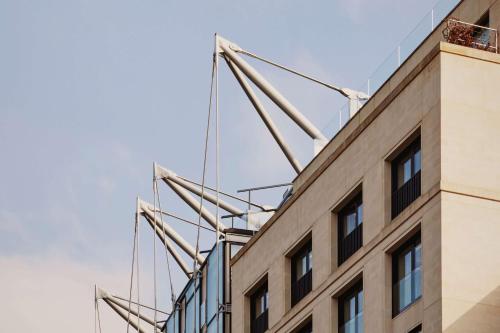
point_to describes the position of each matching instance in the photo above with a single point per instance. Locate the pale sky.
(93, 92)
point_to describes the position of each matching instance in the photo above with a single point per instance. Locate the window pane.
(350, 223)
(212, 328)
(190, 316)
(418, 161)
(417, 281)
(267, 299)
(310, 261)
(407, 170)
(417, 329)
(404, 264)
(360, 214)
(303, 264)
(408, 285)
(261, 302)
(418, 256)
(360, 301)
(300, 267)
(351, 307)
(211, 301)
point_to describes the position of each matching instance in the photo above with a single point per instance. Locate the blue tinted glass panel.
(190, 290)
(211, 302)
(173, 323)
(190, 316)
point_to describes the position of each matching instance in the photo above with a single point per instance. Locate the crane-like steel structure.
(187, 189)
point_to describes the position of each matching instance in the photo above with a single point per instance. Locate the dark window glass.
(351, 310)
(301, 273)
(307, 328)
(350, 229)
(417, 329)
(407, 274)
(481, 35)
(259, 311)
(406, 177)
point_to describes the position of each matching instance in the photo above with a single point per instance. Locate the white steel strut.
(266, 118)
(122, 310)
(148, 211)
(182, 188)
(239, 67)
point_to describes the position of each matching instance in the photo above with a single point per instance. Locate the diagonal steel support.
(122, 310)
(228, 49)
(173, 182)
(165, 174)
(148, 211)
(266, 118)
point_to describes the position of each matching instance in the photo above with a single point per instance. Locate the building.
(395, 225)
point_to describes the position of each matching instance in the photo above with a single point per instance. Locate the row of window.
(406, 187)
(406, 288)
(406, 169)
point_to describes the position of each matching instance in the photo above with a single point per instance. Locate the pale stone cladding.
(450, 95)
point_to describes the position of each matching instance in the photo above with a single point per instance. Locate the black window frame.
(353, 241)
(402, 195)
(411, 244)
(482, 36)
(259, 324)
(307, 327)
(301, 286)
(416, 329)
(348, 295)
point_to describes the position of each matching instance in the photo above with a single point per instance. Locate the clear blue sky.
(92, 92)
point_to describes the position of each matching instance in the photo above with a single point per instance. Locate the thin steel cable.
(223, 193)
(288, 69)
(138, 279)
(142, 305)
(185, 221)
(205, 157)
(172, 295)
(132, 270)
(154, 257)
(217, 185)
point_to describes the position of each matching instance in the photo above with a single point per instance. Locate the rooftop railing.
(471, 35)
(424, 28)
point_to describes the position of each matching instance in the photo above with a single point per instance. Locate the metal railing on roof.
(471, 35)
(398, 56)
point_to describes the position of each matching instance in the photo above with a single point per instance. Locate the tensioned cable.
(95, 310)
(205, 154)
(217, 185)
(185, 221)
(132, 270)
(223, 193)
(138, 278)
(288, 69)
(142, 305)
(154, 255)
(172, 295)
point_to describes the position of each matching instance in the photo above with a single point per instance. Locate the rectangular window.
(482, 36)
(407, 275)
(351, 310)
(350, 228)
(307, 328)
(406, 179)
(417, 329)
(301, 273)
(259, 309)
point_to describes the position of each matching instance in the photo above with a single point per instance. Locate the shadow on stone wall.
(482, 317)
